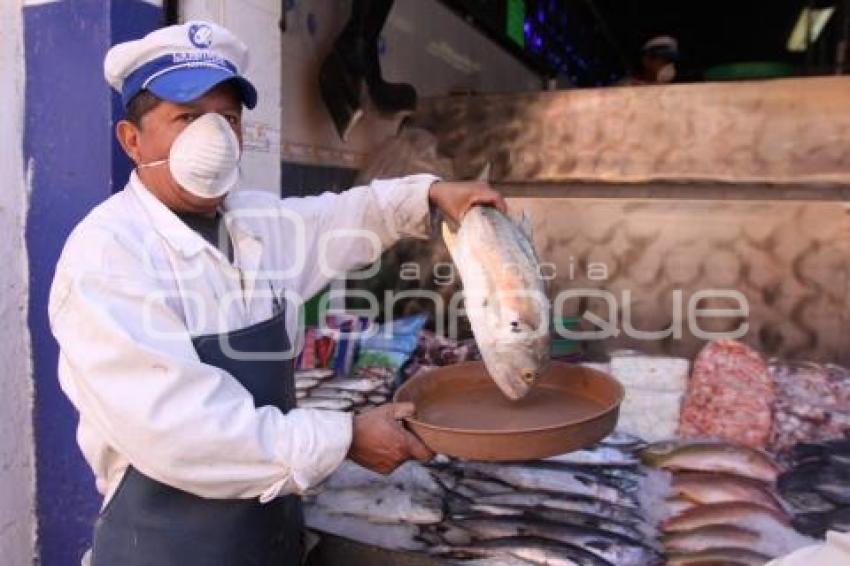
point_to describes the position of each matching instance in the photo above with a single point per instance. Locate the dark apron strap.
(148, 523)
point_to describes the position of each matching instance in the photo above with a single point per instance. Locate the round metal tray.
(461, 413)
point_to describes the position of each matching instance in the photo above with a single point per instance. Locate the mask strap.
(152, 164)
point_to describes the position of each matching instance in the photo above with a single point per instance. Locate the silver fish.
(327, 404)
(399, 536)
(332, 393)
(598, 456)
(532, 549)
(318, 373)
(383, 504)
(541, 478)
(622, 440)
(486, 487)
(495, 510)
(635, 531)
(604, 545)
(305, 384)
(361, 385)
(583, 505)
(504, 297)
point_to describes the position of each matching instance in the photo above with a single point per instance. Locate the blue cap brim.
(185, 85)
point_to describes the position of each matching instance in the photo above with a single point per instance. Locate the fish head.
(516, 365)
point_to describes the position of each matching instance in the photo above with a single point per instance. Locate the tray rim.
(614, 405)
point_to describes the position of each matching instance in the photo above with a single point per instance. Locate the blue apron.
(148, 523)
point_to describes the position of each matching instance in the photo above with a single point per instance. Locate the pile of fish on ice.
(716, 503)
(620, 503)
(319, 389)
(578, 508)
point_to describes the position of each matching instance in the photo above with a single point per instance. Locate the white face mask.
(666, 74)
(204, 158)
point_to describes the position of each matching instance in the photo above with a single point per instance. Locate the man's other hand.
(380, 441)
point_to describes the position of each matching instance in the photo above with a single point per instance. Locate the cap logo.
(200, 35)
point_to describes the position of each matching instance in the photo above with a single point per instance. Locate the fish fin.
(449, 237)
(484, 174)
(524, 225)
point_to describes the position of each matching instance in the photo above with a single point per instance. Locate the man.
(173, 301)
(657, 62)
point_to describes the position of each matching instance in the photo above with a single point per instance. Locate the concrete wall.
(256, 23)
(424, 44)
(17, 476)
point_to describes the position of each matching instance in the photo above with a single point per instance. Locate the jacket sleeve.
(128, 365)
(349, 230)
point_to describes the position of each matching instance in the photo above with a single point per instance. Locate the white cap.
(179, 63)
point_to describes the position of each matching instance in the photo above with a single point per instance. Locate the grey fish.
(529, 476)
(495, 510)
(331, 393)
(535, 550)
(834, 484)
(399, 536)
(383, 504)
(807, 502)
(465, 491)
(504, 297)
(816, 524)
(326, 404)
(318, 373)
(361, 384)
(604, 545)
(586, 505)
(622, 440)
(306, 384)
(598, 456)
(487, 487)
(634, 531)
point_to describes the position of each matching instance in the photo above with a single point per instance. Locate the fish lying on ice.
(383, 504)
(504, 297)
(701, 456)
(541, 478)
(326, 404)
(710, 536)
(722, 488)
(606, 545)
(719, 556)
(532, 549)
(740, 514)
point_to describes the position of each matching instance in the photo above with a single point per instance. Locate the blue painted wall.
(76, 164)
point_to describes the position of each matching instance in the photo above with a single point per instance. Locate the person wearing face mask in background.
(657, 62)
(175, 301)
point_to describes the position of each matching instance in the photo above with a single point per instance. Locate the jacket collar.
(173, 230)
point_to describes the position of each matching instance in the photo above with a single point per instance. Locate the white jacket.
(134, 284)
